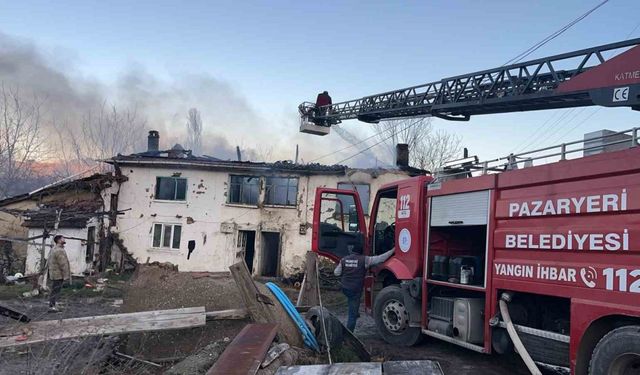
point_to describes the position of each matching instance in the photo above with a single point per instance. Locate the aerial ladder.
(435, 217)
(575, 79)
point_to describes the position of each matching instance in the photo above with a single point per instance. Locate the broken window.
(171, 188)
(167, 236)
(91, 244)
(282, 191)
(363, 192)
(244, 189)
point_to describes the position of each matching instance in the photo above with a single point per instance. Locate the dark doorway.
(270, 254)
(247, 241)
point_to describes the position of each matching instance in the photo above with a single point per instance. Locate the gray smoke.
(228, 119)
(68, 97)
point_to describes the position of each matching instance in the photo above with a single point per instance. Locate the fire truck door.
(338, 224)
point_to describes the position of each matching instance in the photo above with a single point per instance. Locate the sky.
(272, 55)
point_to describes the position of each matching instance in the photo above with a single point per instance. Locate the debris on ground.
(195, 350)
(158, 287)
(31, 293)
(14, 313)
(247, 350)
(274, 352)
(200, 362)
(290, 357)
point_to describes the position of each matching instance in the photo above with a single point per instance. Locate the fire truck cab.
(557, 243)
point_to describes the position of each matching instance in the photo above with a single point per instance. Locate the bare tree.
(20, 139)
(262, 152)
(110, 132)
(194, 131)
(429, 149)
(104, 133)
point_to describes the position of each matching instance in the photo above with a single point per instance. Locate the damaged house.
(199, 213)
(204, 214)
(77, 209)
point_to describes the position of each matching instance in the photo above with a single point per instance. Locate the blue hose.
(307, 335)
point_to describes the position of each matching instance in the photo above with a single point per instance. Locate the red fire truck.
(511, 252)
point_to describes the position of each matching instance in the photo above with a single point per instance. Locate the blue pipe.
(307, 335)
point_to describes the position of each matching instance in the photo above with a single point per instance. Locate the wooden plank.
(424, 367)
(102, 325)
(246, 352)
(231, 314)
(250, 294)
(309, 291)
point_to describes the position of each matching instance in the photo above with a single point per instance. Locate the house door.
(246, 244)
(270, 257)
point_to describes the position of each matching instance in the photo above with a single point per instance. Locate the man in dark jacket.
(59, 270)
(352, 270)
(323, 99)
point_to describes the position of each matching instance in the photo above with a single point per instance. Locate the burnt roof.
(95, 182)
(187, 160)
(74, 214)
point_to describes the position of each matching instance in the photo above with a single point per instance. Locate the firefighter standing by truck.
(352, 270)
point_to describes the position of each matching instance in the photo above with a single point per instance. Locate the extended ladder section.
(576, 79)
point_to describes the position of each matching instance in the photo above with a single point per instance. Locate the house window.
(171, 188)
(244, 189)
(91, 244)
(363, 192)
(167, 236)
(282, 191)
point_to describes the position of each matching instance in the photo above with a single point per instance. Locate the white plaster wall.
(75, 250)
(205, 217)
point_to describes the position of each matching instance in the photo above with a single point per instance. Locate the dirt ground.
(151, 288)
(156, 288)
(163, 289)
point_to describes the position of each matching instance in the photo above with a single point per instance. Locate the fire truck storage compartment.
(456, 313)
(457, 254)
(458, 238)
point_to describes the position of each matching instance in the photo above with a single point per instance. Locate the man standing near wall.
(353, 269)
(59, 270)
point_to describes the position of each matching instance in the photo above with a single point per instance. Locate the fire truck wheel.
(618, 352)
(392, 318)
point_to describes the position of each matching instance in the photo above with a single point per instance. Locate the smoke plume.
(71, 98)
